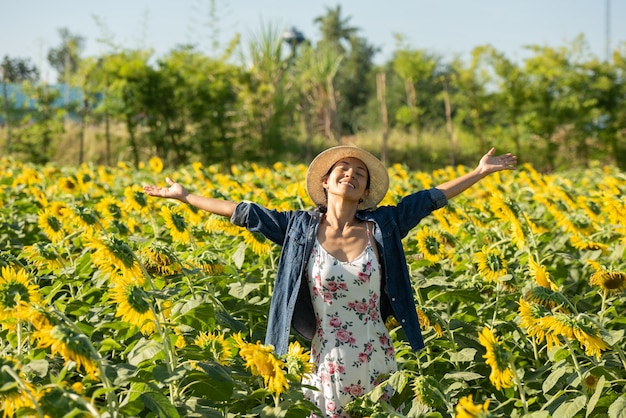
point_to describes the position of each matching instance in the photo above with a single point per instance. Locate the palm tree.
(335, 28)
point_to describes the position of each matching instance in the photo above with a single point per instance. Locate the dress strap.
(367, 228)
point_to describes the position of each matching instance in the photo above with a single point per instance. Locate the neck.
(341, 216)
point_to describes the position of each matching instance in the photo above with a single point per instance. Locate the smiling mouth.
(347, 183)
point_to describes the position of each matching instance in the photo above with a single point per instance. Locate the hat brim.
(319, 167)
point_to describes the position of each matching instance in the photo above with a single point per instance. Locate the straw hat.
(379, 178)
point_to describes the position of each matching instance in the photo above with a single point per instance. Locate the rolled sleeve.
(439, 199)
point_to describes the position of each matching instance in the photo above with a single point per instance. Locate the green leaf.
(200, 318)
(159, 404)
(596, 396)
(466, 354)
(466, 376)
(570, 408)
(461, 295)
(239, 255)
(538, 414)
(241, 290)
(145, 350)
(109, 344)
(37, 367)
(212, 382)
(553, 378)
(618, 408)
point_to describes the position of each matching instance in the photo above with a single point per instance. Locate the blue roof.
(16, 95)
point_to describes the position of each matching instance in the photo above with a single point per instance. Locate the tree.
(14, 70)
(315, 71)
(511, 94)
(553, 103)
(65, 58)
(266, 97)
(335, 29)
(355, 80)
(413, 67)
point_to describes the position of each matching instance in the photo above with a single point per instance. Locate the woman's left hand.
(491, 163)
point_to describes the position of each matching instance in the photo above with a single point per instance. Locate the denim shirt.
(296, 232)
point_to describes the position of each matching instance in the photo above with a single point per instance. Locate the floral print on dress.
(351, 349)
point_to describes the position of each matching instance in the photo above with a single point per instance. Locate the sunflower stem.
(575, 360)
(520, 387)
(159, 320)
(495, 305)
(603, 294)
(24, 388)
(620, 354)
(111, 401)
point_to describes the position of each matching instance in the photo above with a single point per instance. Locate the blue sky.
(446, 27)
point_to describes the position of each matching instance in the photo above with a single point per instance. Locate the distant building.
(20, 102)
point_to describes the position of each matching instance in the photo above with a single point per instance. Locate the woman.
(342, 270)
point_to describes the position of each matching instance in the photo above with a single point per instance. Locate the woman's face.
(348, 178)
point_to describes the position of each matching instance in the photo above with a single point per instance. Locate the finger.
(169, 181)
(491, 151)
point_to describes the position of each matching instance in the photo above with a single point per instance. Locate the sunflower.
(159, 259)
(111, 209)
(261, 361)
(431, 244)
(297, 360)
(208, 263)
(491, 264)
(429, 391)
(590, 382)
(43, 255)
(68, 343)
(67, 185)
(17, 295)
(467, 409)
(136, 200)
(133, 302)
(532, 318)
(112, 255)
(156, 165)
(220, 225)
(49, 223)
(611, 281)
(176, 225)
(215, 346)
(14, 397)
(583, 244)
(548, 298)
(497, 358)
(589, 340)
(426, 320)
(541, 275)
(7, 259)
(257, 243)
(83, 217)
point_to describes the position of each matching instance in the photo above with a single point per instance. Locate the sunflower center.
(137, 299)
(12, 293)
(54, 223)
(493, 262)
(178, 222)
(432, 245)
(71, 340)
(140, 198)
(121, 252)
(114, 210)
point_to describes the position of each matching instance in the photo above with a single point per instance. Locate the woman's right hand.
(175, 191)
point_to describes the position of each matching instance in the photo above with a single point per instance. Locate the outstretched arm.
(488, 164)
(178, 192)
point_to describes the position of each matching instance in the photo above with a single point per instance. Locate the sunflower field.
(117, 304)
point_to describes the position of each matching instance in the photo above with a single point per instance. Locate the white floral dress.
(351, 348)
